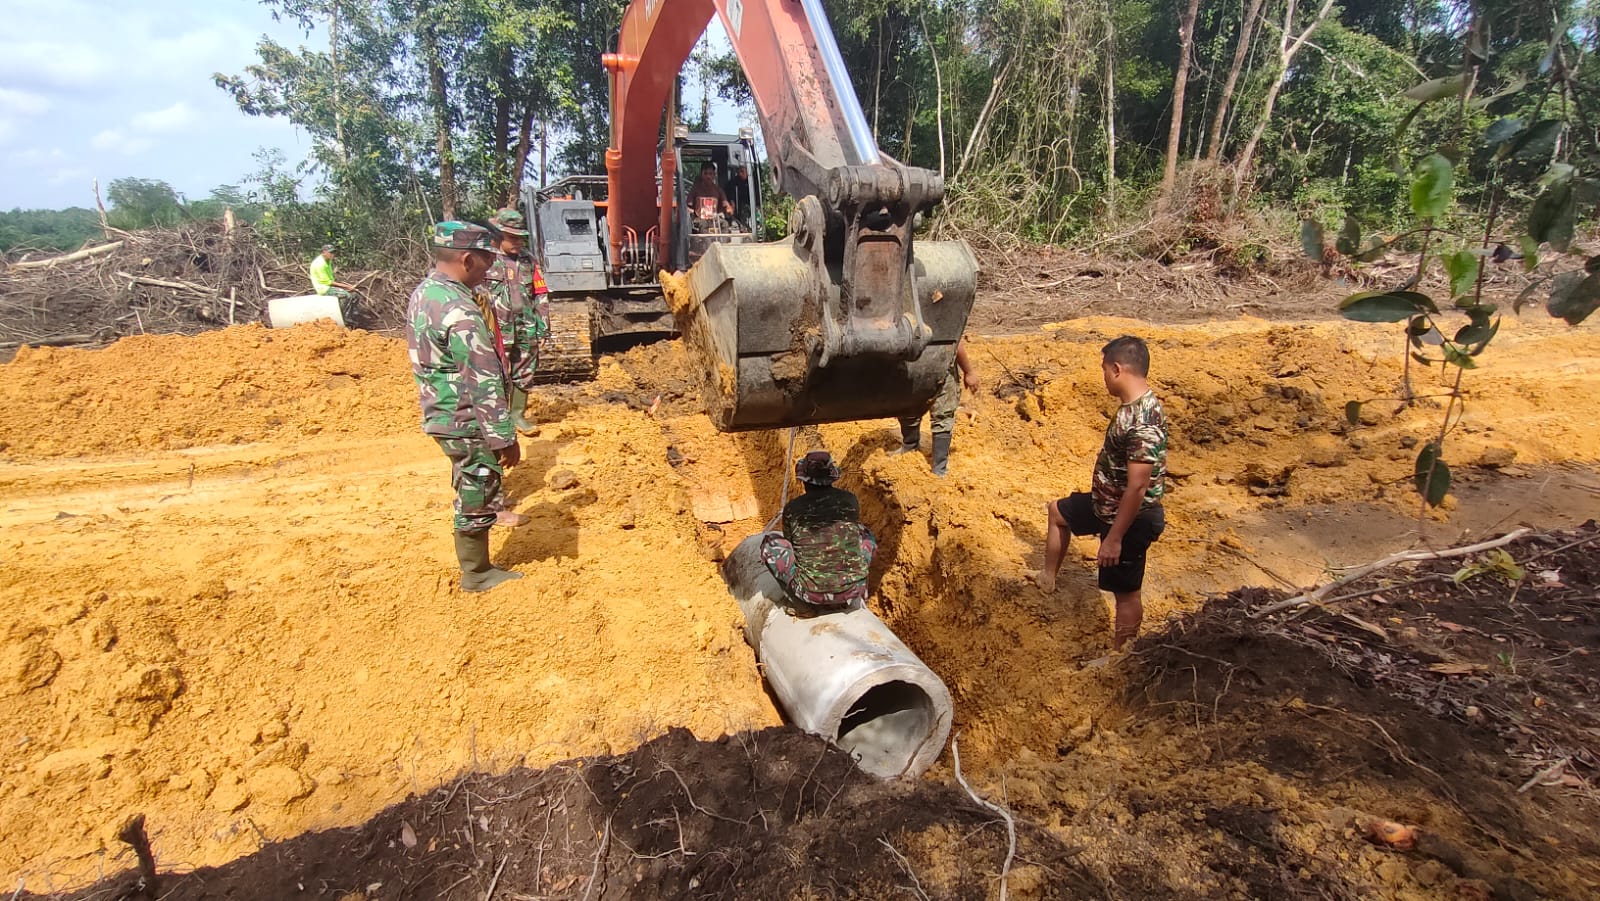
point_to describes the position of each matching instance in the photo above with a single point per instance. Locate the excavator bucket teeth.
(755, 313)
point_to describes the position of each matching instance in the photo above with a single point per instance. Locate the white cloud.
(114, 139)
(37, 157)
(174, 118)
(22, 103)
(69, 174)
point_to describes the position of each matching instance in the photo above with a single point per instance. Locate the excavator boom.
(847, 319)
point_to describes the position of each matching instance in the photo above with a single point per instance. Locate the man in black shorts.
(1124, 506)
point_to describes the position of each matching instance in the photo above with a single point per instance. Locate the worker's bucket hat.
(817, 468)
(511, 222)
(458, 235)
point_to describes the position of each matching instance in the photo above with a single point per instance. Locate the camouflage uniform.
(824, 553)
(461, 382)
(517, 290)
(942, 415)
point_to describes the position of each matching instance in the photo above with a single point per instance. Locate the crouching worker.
(1123, 509)
(823, 555)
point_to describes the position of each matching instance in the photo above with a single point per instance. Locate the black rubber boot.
(910, 439)
(941, 453)
(477, 573)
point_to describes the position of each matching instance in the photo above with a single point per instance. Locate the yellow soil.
(230, 589)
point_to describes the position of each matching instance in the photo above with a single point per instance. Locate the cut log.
(73, 257)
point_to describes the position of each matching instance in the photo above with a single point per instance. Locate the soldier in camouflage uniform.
(521, 305)
(942, 414)
(1123, 506)
(823, 555)
(460, 368)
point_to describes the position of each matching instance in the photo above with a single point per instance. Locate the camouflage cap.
(458, 235)
(817, 468)
(510, 221)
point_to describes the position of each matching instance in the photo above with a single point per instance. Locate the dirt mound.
(240, 385)
(770, 814)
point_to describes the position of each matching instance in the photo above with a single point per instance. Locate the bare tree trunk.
(1180, 84)
(338, 78)
(938, 91)
(1287, 49)
(544, 153)
(1240, 52)
(524, 147)
(980, 128)
(877, 82)
(1111, 115)
(498, 174)
(439, 99)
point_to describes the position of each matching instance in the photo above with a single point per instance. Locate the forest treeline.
(1052, 120)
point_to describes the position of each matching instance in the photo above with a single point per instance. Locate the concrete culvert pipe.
(843, 676)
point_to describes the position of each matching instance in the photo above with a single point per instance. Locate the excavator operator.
(707, 188)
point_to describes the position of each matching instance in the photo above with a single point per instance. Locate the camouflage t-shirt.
(824, 525)
(453, 357)
(1136, 434)
(515, 286)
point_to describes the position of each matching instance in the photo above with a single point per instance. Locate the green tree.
(142, 203)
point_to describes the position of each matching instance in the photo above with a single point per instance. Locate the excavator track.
(568, 355)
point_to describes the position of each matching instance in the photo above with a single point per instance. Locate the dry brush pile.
(180, 280)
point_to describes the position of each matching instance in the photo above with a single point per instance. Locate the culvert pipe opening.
(843, 676)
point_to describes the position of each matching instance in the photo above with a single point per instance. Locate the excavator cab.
(717, 196)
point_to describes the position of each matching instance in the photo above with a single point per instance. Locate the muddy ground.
(231, 609)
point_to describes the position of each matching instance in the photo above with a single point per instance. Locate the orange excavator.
(848, 318)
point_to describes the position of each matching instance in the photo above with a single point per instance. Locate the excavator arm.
(847, 319)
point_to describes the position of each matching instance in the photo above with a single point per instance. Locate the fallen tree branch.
(161, 283)
(73, 257)
(1011, 825)
(1360, 572)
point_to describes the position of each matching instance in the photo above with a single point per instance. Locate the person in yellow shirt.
(322, 275)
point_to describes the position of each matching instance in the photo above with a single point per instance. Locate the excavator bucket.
(785, 346)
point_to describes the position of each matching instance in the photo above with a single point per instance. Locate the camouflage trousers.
(943, 412)
(475, 475)
(778, 553)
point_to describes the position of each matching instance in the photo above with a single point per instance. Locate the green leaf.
(1431, 187)
(1463, 266)
(1311, 238)
(1437, 89)
(1574, 296)
(1534, 141)
(1479, 329)
(1352, 412)
(1512, 87)
(1374, 253)
(1426, 361)
(1432, 476)
(1455, 356)
(1349, 242)
(1384, 306)
(1553, 215)
(1530, 253)
(1522, 297)
(1503, 130)
(1494, 329)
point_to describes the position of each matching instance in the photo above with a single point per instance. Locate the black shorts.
(1128, 575)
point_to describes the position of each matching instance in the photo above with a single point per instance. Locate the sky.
(91, 89)
(94, 89)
